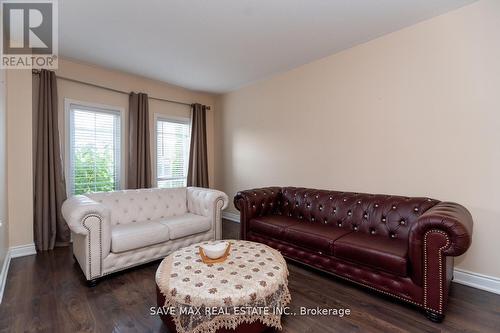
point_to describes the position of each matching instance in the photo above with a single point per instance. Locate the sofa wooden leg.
(92, 283)
(434, 317)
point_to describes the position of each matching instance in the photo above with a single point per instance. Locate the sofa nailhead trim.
(440, 256)
(219, 203)
(89, 243)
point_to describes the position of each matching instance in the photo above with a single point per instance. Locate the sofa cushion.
(314, 236)
(130, 236)
(186, 225)
(272, 225)
(390, 255)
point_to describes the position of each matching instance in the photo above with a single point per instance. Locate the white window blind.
(94, 149)
(172, 152)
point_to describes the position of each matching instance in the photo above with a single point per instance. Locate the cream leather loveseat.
(112, 231)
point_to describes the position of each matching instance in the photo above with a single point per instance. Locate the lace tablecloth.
(250, 285)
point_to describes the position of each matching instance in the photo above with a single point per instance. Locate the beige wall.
(416, 112)
(19, 157)
(4, 237)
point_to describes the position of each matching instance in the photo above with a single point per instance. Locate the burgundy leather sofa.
(399, 246)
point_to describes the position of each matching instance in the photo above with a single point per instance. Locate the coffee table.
(245, 293)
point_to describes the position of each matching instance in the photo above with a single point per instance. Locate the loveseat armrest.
(209, 203)
(90, 222)
(256, 202)
(76, 208)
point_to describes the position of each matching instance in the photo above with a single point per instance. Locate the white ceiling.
(221, 45)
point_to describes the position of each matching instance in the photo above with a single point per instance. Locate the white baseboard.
(476, 280)
(22, 250)
(13, 252)
(3, 274)
(231, 216)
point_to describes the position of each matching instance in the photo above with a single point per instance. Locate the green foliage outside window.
(93, 170)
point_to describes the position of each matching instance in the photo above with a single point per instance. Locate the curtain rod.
(36, 71)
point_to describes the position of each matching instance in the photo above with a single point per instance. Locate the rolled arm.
(449, 217)
(209, 203)
(78, 207)
(90, 221)
(256, 202)
(443, 230)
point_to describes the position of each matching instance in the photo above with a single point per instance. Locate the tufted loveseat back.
(143, 205)
(375, 214)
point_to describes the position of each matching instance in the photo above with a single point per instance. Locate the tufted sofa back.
(142, 205)
(376, 214)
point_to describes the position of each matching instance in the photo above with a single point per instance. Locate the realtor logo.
(29, 34)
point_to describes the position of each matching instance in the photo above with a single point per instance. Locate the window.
(93, 148)
(172, 152)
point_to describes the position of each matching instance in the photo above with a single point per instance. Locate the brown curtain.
(50, 187)
(198, 163)
(139, 160)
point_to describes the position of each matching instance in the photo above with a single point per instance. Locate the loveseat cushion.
(272, 225)
(130, 236)
(390, 255)
(186, 225)
(314, 236)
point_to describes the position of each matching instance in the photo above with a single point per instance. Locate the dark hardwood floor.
(47, 293)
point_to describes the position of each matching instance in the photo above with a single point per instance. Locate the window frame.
(174, 119)
(111, 109)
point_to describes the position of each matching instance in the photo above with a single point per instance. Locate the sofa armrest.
(445, 229)
(256, 202)
(209, 203)
(449, 217)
